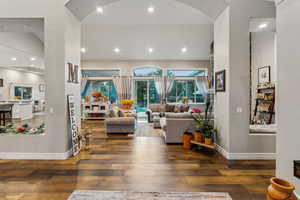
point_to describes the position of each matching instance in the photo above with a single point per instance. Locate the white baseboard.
(36, 156)
(246, 156)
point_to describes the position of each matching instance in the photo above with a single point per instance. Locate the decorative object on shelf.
(127, 103)
(87, 99)
(187, 138)
(1, 82)
(198, 135)
(265, 104)
(280, 190)
(220, 85)
(185, 100)
(208, 136)
(297, 168)
(264, 74)
(98, 96)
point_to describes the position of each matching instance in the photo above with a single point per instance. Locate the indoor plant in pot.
(199, 133)
(209, 132)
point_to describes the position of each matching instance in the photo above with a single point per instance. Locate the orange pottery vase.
(208, 141)
(199, 136)
(187, 138)
(280, 190)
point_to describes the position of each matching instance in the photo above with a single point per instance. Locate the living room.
(149, 98)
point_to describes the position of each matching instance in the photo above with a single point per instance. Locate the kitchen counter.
(21, 110)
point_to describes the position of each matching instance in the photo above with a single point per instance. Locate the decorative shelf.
(213, 146)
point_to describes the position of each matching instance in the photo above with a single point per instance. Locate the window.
(106, 87)
(186, 73)
(101, 73)
(182, 89)
(148, 72)
(23, 93)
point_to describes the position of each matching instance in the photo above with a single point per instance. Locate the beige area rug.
(147, 130)
(129, 195)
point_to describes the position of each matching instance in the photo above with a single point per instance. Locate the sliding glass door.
(146, 94)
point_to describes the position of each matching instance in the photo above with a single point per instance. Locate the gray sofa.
(120, 124)
(175, 124)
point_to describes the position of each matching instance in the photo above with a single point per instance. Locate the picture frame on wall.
(220, 81)
(1, 83)
(264, 74)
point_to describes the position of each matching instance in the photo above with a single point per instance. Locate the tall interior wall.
(55, 142)
(288, 73)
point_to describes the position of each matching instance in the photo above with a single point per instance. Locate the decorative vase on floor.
(208, 141)
(187, 138)
(280, 190)
(199, 136)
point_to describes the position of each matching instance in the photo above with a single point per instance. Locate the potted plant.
(209, 133)
(187, 138)
(199, 133)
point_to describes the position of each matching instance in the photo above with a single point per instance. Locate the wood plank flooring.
(120, 162)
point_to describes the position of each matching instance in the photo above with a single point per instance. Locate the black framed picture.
(297, 168)
(220, 81)
(264, 74)
(1, 82)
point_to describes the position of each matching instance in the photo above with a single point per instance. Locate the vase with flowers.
(127, 103)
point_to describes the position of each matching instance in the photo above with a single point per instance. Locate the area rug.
(130, 195)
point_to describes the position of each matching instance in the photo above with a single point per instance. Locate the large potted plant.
(199, 133)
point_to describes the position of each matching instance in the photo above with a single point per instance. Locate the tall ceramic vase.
(280, 190)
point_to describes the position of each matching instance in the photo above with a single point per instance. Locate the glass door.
(146, 94)
(141, 91)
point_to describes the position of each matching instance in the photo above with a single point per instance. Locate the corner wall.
(288, 40)
(234, 124)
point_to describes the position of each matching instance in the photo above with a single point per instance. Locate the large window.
(23, 93)
(186, 73)
(148, 72)
(185, 88)
(106, 87)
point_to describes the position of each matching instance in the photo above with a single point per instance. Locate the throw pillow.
(170, 108)
(113, 113)
(177, 109)
(162, 108)
(121, 113)
(184, 108)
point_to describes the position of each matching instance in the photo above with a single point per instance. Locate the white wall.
(263, 54)
(221, 62)
(55, 142)
(128, 66)
(19, 78)
(288, 142)
(242, 145)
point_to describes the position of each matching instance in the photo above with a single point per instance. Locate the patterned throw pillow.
(170, 108)
(184, 108)
(177, 109)
(121, 113)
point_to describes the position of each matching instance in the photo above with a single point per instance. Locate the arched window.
(147, 71)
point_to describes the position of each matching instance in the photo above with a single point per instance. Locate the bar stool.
(5, 109)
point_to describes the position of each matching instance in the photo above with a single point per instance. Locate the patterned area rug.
(118, 195)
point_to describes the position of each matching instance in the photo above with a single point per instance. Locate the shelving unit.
(95, 110)
(265, 104)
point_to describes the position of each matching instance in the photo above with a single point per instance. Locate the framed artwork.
(1, 82)
(220, 81)
(264, 74)
(297, 168)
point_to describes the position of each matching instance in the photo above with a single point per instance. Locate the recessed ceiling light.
(32, 58)
(13, 59)
(150, 50)
(117, 50)
(99, 9)
(183, 50)
(264, 25)
(83, 50)
(151, 9)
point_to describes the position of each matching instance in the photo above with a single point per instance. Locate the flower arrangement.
(185, 100)
(97, 95)
(24, 129)
(127, 103)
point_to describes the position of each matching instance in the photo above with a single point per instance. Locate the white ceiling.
(126, 24)
(22, 39)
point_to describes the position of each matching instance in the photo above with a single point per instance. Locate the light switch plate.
(239, 109)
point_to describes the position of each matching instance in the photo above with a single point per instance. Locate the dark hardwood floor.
(120, 162)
